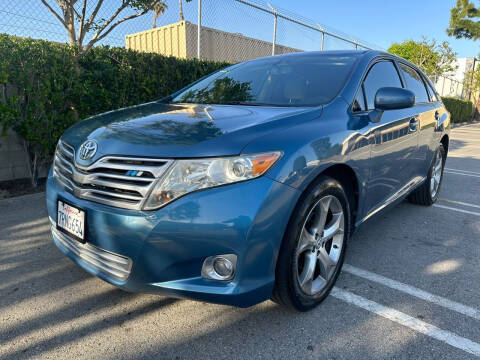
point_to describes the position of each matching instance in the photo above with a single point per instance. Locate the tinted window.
(414, 83)
(432, 93)
(297, 80)
(359, 103)
(381, 74)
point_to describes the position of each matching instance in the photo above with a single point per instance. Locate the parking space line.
(463, 171)
(460, 203)
(459, 173)
(457, 209)
(411, 322)
(413, 291)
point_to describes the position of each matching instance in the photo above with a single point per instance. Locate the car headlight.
(185, 176)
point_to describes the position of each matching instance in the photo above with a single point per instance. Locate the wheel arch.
(445, 142)
(347, 177)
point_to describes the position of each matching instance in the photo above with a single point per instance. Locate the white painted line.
(460, 203)
(454, 154)
(413, 291)
(457, 209)
(459, 173)
(445, 336)
(463, 171)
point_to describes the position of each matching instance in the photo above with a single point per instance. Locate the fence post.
(275, 17)
(199, 29)
(323, 35)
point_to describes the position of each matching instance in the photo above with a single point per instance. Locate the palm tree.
(158, 10)
(180, 6)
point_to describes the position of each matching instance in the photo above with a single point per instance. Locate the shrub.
(45, 88)
(460, 110)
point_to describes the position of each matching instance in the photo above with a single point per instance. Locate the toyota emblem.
(88, 149)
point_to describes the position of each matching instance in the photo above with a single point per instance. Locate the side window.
(359, 103)
(414, 83)
(432, 93)
(381, 74)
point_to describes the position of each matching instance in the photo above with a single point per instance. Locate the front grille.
(118, 181)
(111, 264)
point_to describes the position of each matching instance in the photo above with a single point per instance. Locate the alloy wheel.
(436, 174)
(320, 245)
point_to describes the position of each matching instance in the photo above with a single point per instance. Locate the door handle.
(412, 127)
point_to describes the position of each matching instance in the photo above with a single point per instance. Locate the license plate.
(71, 220)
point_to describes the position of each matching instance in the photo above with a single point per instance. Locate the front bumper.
(163, 251)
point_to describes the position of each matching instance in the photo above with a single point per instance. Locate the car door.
(428, 111)
(394, 141)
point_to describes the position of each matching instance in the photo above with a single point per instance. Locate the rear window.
(302, 80)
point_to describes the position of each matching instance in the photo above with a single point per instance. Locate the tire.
(311, 255)
(425, 194)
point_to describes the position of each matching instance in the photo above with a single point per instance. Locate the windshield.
(303, 80)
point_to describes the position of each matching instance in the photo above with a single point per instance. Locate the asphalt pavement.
(410, 290)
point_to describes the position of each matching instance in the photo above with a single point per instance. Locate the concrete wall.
(180, 40)
(13, 158)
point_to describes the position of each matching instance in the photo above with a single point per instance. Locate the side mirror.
(392, 98)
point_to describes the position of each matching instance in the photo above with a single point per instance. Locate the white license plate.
(71, 219)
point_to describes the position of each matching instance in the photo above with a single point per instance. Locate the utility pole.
(471, 80)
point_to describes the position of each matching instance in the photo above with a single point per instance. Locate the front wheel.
(428, 192)
(313, 248)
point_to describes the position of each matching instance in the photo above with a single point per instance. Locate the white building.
(451, 85)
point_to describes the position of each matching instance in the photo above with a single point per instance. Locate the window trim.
(362, 88)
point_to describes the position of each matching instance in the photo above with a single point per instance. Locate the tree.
(72, 14)
(471, 82)
(431, 57)
(462, 21)
(180, 7)
(158, 10)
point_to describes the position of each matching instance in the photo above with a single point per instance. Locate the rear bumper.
(163, 251)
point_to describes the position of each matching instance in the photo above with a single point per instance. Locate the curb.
(455, 125)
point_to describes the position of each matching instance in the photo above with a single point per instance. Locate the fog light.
(220, 267)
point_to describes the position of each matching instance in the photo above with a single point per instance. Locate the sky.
(384, 22)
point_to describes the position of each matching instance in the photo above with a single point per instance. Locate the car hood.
(182, 130)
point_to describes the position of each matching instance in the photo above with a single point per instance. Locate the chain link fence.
(230, 30)
(250, 18)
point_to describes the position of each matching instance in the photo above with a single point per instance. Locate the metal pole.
(323, 36)
(471, 79)
(199, 29)
(275, 17)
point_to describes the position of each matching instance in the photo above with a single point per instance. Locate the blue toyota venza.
(248, 184)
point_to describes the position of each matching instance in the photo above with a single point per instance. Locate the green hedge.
(460, 110)
(44, 88)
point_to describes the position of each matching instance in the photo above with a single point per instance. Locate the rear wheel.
(429, 191)
(314, 246)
